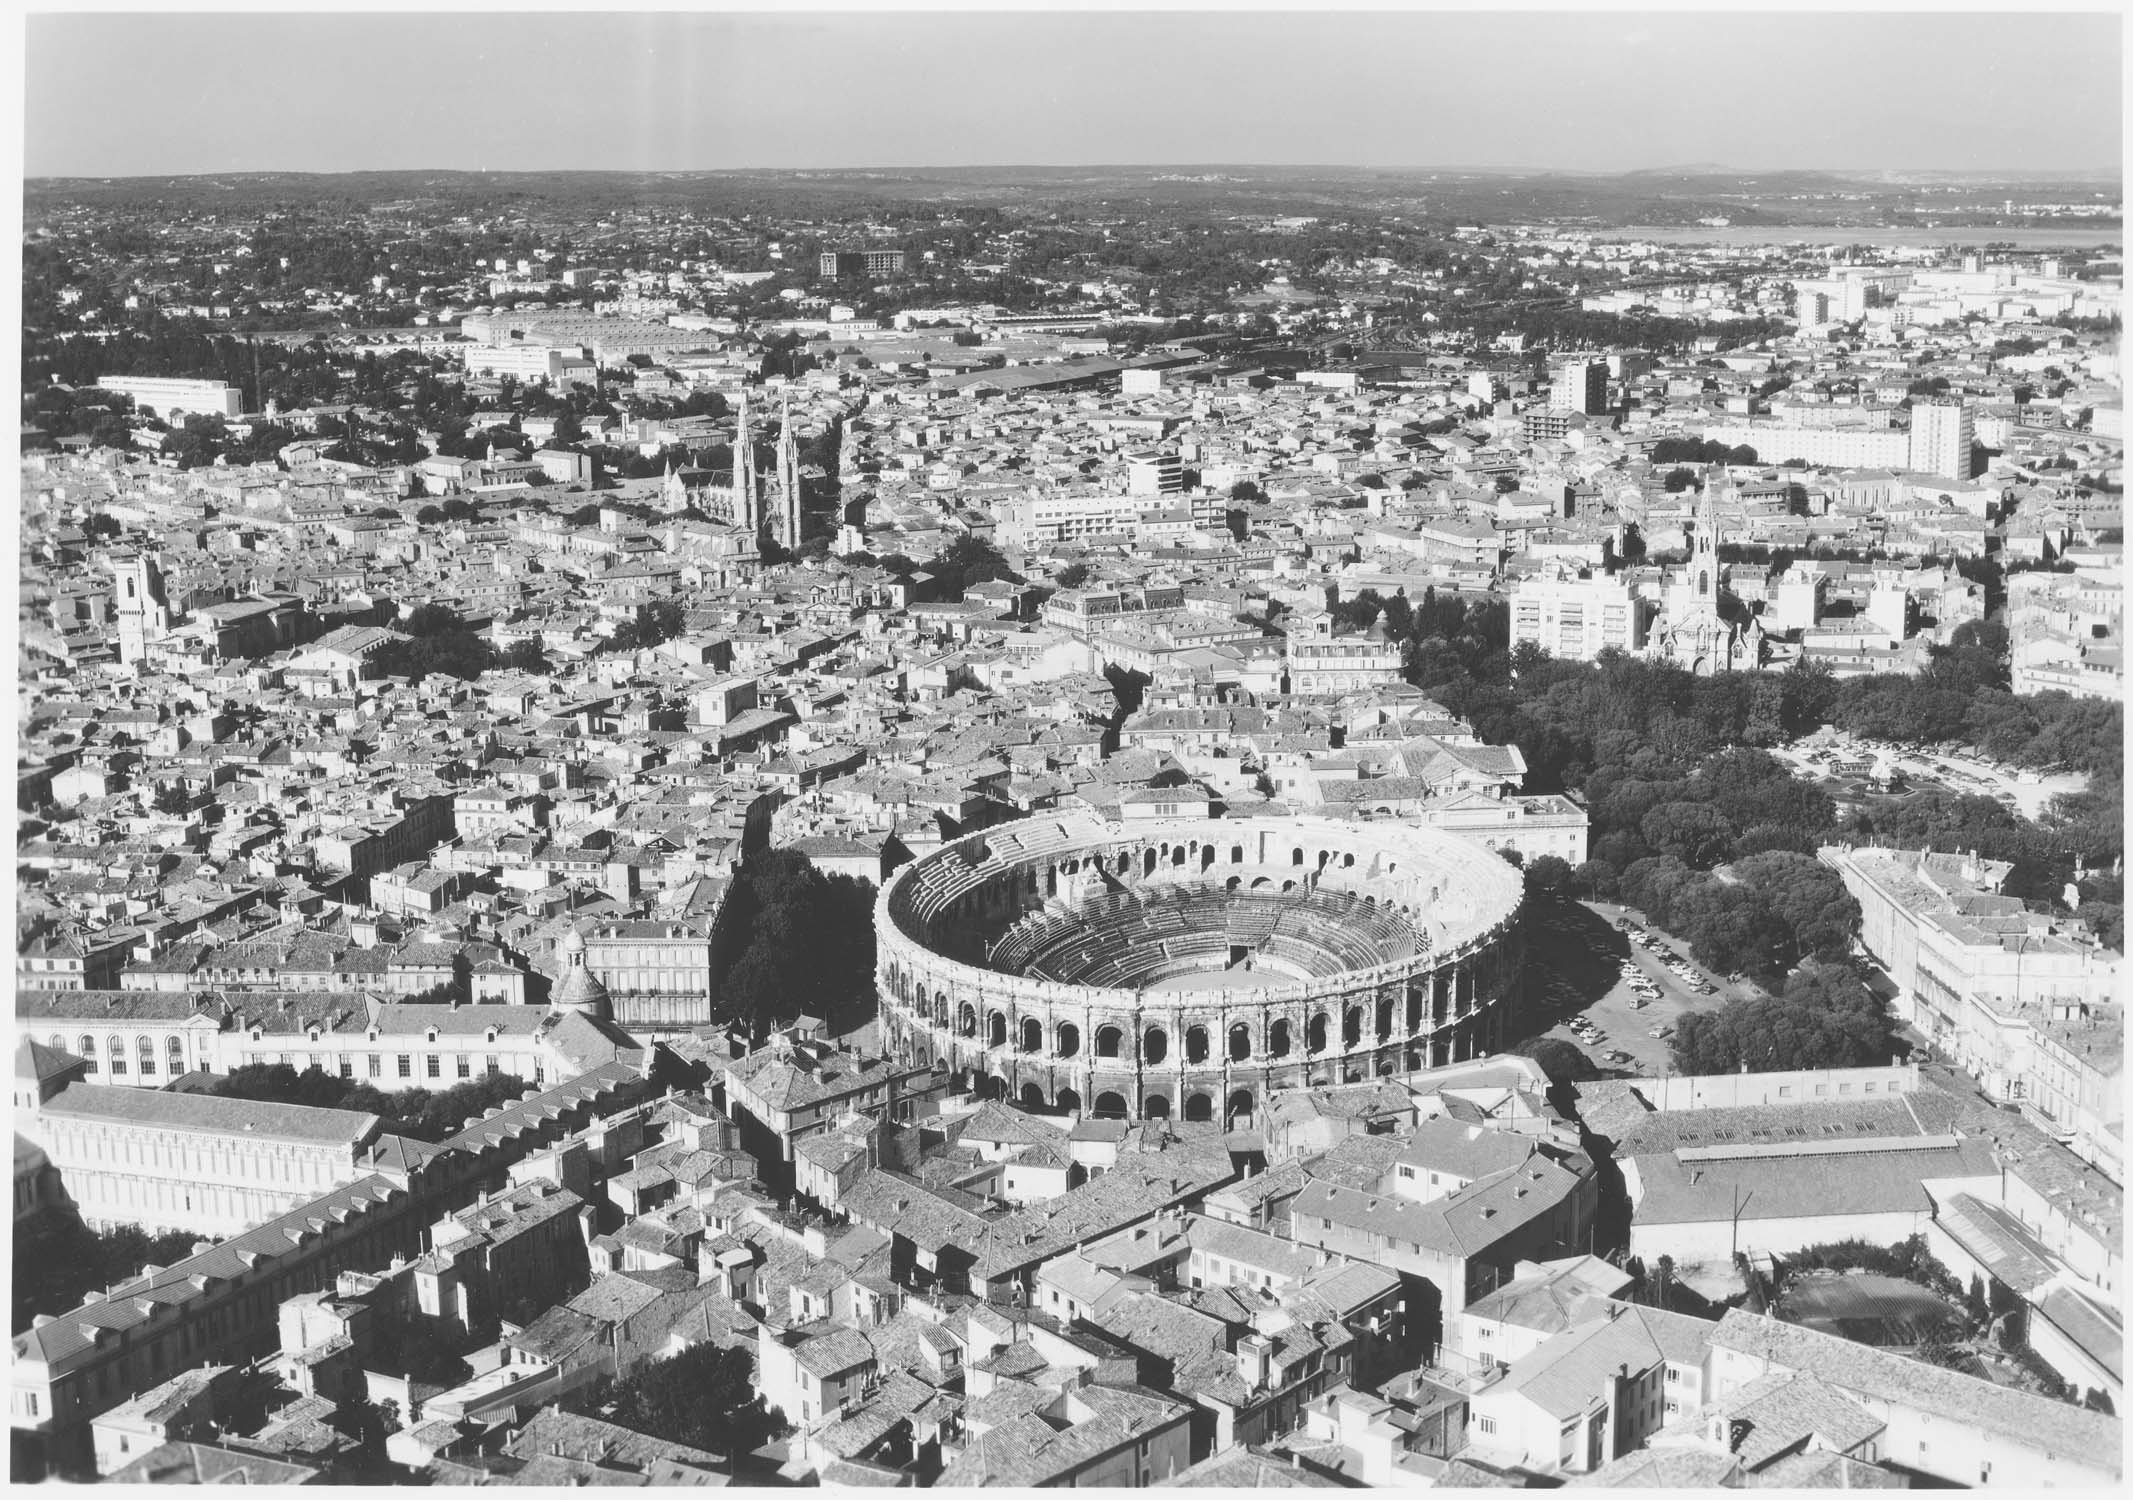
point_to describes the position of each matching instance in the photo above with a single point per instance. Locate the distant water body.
(2071, 237)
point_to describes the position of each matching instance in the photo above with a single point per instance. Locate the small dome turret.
(578, 991)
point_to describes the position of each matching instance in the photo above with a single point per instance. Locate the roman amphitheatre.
(1188, 968)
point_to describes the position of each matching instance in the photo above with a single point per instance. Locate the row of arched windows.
(991, 1030)
(116, 1054)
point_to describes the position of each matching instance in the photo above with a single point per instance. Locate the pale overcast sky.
(128, 94)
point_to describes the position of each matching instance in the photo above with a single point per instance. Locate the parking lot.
(1851, 768)
(1577, 975)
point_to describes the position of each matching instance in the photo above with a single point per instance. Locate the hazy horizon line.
(1686, 169)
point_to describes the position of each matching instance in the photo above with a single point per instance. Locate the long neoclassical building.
(1187, 967)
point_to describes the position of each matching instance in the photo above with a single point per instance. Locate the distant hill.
(1658, 196)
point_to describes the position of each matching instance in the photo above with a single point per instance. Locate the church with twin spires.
(741, 501)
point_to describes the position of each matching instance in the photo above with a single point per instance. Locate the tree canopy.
(1684, 450)
(968, 560)
(704, 1397)
(58, 1261)
(1560, 1060)
(439, 642)
(810, 947)
(661, 622)
(416, 1112)
(1760, 916)
(1825, 1018)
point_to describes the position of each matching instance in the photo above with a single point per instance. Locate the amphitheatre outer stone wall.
(1196, 1053)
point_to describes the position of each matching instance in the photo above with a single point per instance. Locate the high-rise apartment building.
(1580, 385)
(1941, 435)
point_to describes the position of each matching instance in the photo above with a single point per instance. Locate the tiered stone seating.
(940, 886)
(1251, 917)
(1133, 937)
(1196, 945)
(1029, 937)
